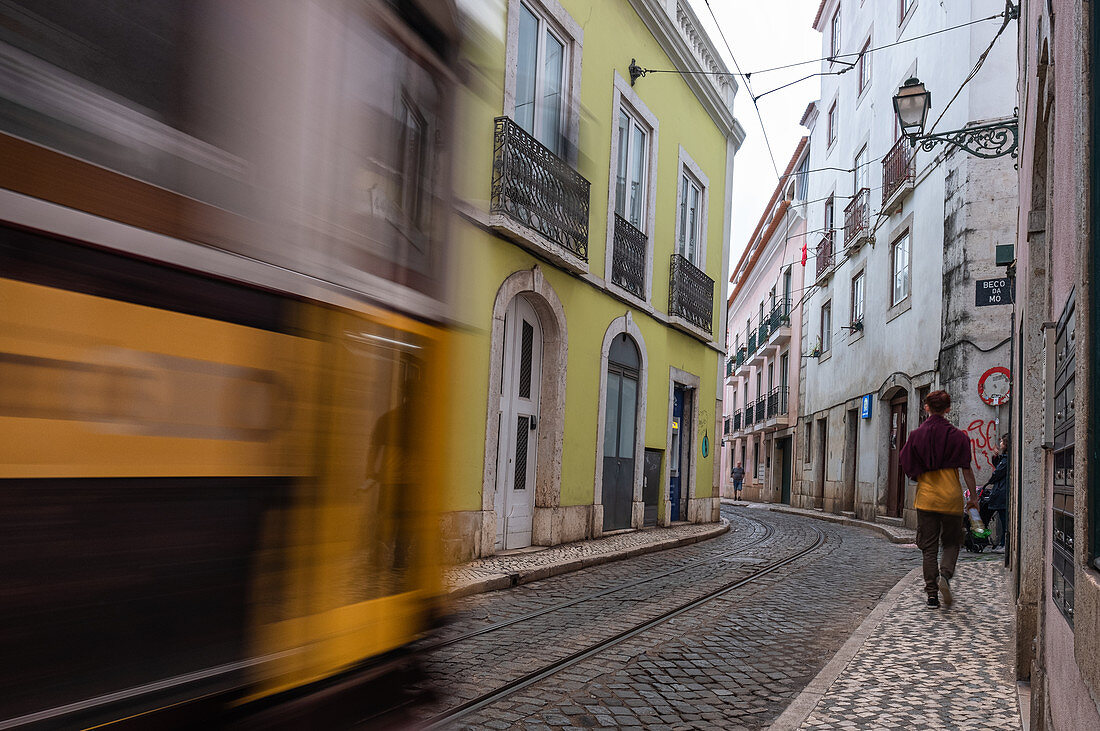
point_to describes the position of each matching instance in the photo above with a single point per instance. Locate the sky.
(763, 35)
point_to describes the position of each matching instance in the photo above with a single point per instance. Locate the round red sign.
(994, 386)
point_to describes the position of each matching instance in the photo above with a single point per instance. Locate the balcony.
(748, 416)
(857, 219)
(759, 411)
(898, 174)
(690, 294)
(736, 426)
(779, 324)
(739, 358)
(752, 343)
(537, 199)
(778, 409)
(729, 366)
(628, 260)
(824, 256)
(726, 426)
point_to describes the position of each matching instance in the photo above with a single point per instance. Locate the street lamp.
(911, 105)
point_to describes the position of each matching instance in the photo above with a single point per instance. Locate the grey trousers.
(932, 528)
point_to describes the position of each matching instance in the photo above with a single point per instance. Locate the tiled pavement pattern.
(475, 575)
(932, 669)
(733, 663)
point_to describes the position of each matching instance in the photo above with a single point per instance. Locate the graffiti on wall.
(983, 441)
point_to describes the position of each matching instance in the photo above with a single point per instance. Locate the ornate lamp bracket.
(992, 140)
(636, 71)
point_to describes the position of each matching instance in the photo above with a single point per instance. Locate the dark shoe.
(945, 589)
(933, 600)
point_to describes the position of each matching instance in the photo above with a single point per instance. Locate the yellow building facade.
(592, 235)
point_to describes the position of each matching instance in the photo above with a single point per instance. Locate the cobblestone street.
(735, 661)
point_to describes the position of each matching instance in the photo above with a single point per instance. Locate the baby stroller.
(974, 543)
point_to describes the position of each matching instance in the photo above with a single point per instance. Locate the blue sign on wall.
(865, 407)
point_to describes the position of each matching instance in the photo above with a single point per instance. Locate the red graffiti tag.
(983, 440)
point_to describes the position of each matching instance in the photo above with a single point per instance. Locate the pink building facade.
(1054, 520)
(763, 320)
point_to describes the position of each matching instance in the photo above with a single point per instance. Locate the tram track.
(768, 529)
(445, 718)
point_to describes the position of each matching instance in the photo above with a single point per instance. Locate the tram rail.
(441, 720)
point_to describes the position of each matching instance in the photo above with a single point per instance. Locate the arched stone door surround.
(530, 284)
(619, 326)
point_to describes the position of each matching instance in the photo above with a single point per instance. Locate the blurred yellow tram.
(222, 358)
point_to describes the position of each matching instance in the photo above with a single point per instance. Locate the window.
(540, 80)
(899, 266)
(807, 452)
(830, 211)
(691, 217)
(803, 183)
(630, 176)
(860, 168)
(857, 298)
(904, 6)
(832, 123)
(865, 66)
(786, 291)
(826, 326)
(834, 38)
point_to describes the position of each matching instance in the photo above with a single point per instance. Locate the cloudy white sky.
(764, 34)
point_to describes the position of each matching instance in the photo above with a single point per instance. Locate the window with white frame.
(904, 6)
(834, 38)
(865, 66)
(540, 79)
(803, 182)
(691, 217)
(630, 174)
(832, 123)
(860, 167)
(899, 266)
(826, 327)
(857, 297)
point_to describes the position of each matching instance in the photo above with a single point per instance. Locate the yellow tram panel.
(96, 387)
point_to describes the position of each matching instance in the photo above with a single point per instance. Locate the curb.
(526, 576)
(805, 702)
(879, 528)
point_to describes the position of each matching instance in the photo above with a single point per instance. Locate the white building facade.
(763, 326)
(900, 238)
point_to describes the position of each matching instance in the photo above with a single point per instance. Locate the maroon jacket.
(935, 445)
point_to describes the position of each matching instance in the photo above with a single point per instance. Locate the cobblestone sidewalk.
(911, 667)
(502, 571)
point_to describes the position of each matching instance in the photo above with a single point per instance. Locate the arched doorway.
(520, 386)
(620, 432)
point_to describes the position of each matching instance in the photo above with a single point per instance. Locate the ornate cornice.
(676, 27)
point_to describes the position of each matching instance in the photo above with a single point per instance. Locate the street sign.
(865, 407)
(998, 291)
(994, 386)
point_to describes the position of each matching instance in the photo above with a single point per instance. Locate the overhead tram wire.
(747, 76)
(973, 71)
(748, 88)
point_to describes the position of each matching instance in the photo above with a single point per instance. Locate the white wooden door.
(519, 407)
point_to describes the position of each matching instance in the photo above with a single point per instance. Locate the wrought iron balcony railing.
(752, 342)
(690, 293)
(748, 415)
(760, 409)
(737, 420)
(763, 331)
(538, 189)
(857, 217)
(727, 425)
(729, 366)
(897, 168)
(780, 316)
(777, 402)
(825, 254)
(628, 265)
(739, 358)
